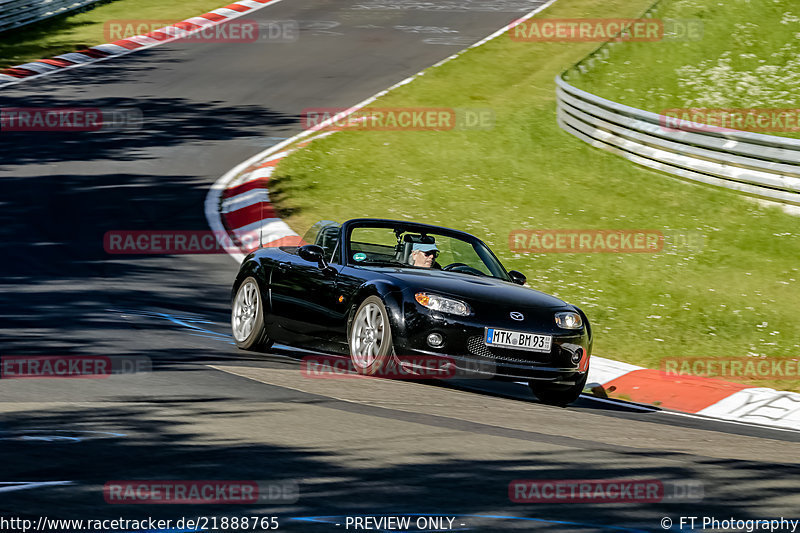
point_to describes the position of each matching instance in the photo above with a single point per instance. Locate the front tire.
(247, 317)
(370, 338)
(559, 395)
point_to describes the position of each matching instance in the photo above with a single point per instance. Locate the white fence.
(760, 165)
(16, 13)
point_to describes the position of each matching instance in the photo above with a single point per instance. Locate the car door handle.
(283, 267)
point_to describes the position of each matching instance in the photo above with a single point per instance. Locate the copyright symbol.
(666, 522)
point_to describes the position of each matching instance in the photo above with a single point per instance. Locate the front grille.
(477, 347)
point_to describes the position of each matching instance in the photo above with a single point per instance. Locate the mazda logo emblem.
(516, 316)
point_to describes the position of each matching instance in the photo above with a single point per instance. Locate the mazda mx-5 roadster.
(387, 293)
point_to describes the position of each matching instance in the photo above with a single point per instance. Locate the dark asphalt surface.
(208, 411)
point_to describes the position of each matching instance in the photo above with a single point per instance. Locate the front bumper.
(465, 349)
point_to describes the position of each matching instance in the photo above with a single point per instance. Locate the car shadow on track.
(287, 357)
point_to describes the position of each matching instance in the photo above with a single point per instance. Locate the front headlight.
(442, 304)
(569, 320)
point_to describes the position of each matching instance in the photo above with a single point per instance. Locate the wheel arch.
(251, 266)
(389, 294)
(589, 334)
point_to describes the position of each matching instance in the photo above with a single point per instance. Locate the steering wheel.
(464, 268)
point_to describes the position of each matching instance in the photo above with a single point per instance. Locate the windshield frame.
(477, 244)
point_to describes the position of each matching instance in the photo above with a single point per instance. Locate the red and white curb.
(173, 32)
(703, 396)
(238, 206)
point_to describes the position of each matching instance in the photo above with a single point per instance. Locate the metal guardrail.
(759, 165)
(16, 13)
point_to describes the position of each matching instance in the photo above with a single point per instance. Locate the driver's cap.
(422, 247)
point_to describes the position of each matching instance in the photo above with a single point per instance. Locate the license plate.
(519, 340)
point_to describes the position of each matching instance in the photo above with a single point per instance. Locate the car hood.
(473, 288)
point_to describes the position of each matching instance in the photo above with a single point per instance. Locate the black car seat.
(403, 250)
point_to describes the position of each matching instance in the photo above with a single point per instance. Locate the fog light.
(577, 356)
(435, 340)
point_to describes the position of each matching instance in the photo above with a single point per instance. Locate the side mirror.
(316, 254)
(517, 277)
(312, 253)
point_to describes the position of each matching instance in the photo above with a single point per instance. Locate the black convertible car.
(378, 290)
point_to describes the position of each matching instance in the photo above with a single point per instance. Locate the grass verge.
(734, 296)
(72, 32)
(746, 55)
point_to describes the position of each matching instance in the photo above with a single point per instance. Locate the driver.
(424, 255)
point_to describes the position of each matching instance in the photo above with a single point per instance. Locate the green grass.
(735, 296)
(77, 31)
(748, 56)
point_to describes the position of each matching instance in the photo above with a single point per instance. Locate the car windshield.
(417, 249)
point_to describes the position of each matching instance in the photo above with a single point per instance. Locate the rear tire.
(370, 338)
(559, 395)
(247, 317)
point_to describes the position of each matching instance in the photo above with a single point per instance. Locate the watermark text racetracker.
(404, 367)
(606, 29)
(603, 241)
(234, 31)
(69, 119)
(399, 118)
(731, 368)
(604, 491)
(71, 366)
(764, 120)
(184, 492)
(175, 242)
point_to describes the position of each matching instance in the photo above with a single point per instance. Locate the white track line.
(621, 404)
(10, 486)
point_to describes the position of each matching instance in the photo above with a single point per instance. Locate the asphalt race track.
(207, 411)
